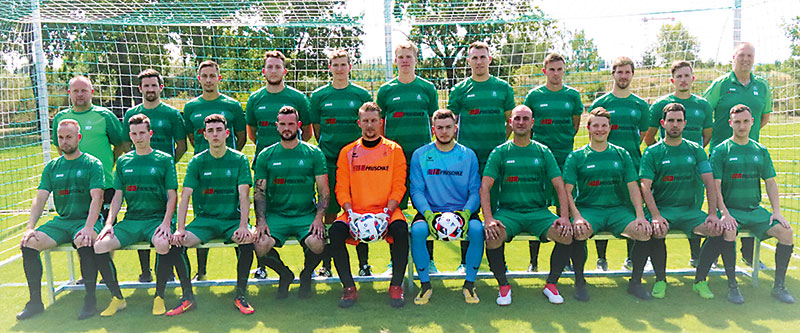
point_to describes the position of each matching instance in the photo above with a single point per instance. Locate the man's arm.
(764, 120)
(85, 236)
(37, 207)
(183, 207)
(244, 205)
(324, 193)
(707, 136)
(316, 131)
(116, 204)
(191, 138)
(650, 201)
(636, 198)
(241, 140)
(126, 146)
(251, 133)
(180, 149)
(260, 202)
(650, 136)
(774, 199)
(307, 132)
(576, 122)
(558, 184)
(507, 124)
(486, 198)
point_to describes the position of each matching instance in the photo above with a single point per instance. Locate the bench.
(409, 281)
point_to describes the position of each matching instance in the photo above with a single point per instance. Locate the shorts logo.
(398, 114)
(546, 121)
(667, 178)
(736, 176)
(279, 181)
(208, 191)
(475, 111)
(330, 121)
(594, 183)
(512, 179)
(264, 123)
(131, 188)
(63, 192)
(614, 127)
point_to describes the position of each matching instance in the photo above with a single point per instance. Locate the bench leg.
(410, 274)
(48, 268)
(71, 267)
(756, 260)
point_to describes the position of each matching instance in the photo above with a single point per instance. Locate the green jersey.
(725, 92)
(629, 119)
(262, 109)
(215, 183)
(100, 129)
(70, 181)
(698, 116)
(741, 168)
(336, 113)
(144, 181)
(481, 107)
(291, 175)
(408, 108)
(196, 111)
(523, 175)
(552, 113)
(675, 172)
(601, 177)
(165, 121)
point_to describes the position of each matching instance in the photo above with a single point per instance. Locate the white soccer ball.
(449, 226)
(369, 228)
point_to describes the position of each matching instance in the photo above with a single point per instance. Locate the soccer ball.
(449, 226)
(369, 228)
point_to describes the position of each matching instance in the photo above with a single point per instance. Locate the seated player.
(525, 172)
(607, 186)
(146, 179)
(285, 175)
(671, 170)
(739, 163)
(444, 178)
(218, 183)
(370, 178)
(76, 181)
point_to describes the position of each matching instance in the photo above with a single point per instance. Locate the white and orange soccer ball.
(369, 228)
(449, 226)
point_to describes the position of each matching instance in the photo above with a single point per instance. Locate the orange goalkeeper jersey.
(368, 178)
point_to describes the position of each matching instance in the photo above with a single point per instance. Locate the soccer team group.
(373, 157)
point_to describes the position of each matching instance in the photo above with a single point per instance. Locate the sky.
(629, 27)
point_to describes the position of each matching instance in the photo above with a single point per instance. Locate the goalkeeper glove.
(465, 215)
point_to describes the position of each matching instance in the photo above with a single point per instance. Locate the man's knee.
(107, 244)
(338, 232)
(419, 230)
(782, 234)
(161, 244)
(314, 244)
(398, 228)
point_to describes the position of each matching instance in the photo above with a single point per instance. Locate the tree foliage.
(673, 42)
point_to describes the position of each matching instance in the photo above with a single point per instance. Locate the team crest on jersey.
(160, 123)
(419, 97)
(152, 170)
(755, 158)
(79, 173)
(228, 172)
(616, 164)
(88, 127)
(302, 163)
(494, 94)
(352, 104)
(536, 161)
(690, 159)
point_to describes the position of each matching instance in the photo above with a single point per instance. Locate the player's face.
(521, 122)
(743, 57)
(216, 134)
(340, 68)
(209, 79)
(405, 60)
(682, 79)
(479, 60)
(554, 71)
(598, 128)
(741, 123)
(150, 89)
(287, 126)
(274, 70)
(371, 124)
(444, 130)
(673, 124)
(623, 76)
(80, 93)
(140, 135)
(68, 138)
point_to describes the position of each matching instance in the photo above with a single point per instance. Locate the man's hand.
(660, 226)
(108, 230)
(84, 237)
(178, 237)
(563, 227)
(242, 235)
(317, 229)
(352, 216)
(27, 236)
(729, 223)
(715, 223)
(430, 218)
(384, 216)
(580, 227)
(493, 228)
(642, 225)
(163, 231)
(777, 216)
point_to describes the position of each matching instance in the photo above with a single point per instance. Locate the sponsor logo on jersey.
(63, 192)
(523, 179)
(212, 190)
(744, 175)
(614, 127)
(127, 170)
(370, 168)
(279, 181)
(330, 121)
(398, 114)
(282, 181)
(263, 123)
(59, 175)
(131, 188)
(475, 111)
(736, 175)
(512, 179)
(262, 107)
(667, 178)
(445, 172)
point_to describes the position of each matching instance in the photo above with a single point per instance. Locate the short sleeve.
(238, 118)
(313, 109)
(655, 114)
(570, 173)
(320, 165)
(647, 169)
(113, 128)
(453, 101)
(97, 175)
(493, 164)
(629, 171)
(509, 103)
(178, 126)
(54, 129)
(117, 182)
(712, 93)
(708, 121)
(303, 107)
(767, 99)
(433, 96)
(244, 178)
(767, 169)
(171, 176)
(44, 182)
(262, 161)
(249, 112)
(126, 129)
(644, 120)
(187, 121)
(703, 166)
(551, 167)
(718, 160)
(578, 104)
(192, 177)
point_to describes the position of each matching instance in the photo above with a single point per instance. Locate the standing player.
(672, 171)
(76, 181)
(147, 181)
(218, 183)
(169, 133)
(285, 176)
(100, 129)
(739, 162)
(629, 114)
(334, 117)
(194, 115)
(740, 86)
(444, 178)
(558, 109)
(608, 199)
(408, 101)
(526, 172)
(698, 121)
(371, 178)
(482, 104)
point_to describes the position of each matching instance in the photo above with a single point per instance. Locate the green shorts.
(64, 231)
(611, 219)
(536, 223)
(282, 228)
(333, 205)
(207, 229)
(682, 218)
(130, 232)
(756, 220)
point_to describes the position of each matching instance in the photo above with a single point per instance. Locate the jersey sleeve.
(113, 128)
(342, 187)
(303, 109)
(320, 165)
(54, 129)
(493, 164)
(365, 96)
(126, 129)
(703, 166)
(417, 183)
(192, 177)
(712, 93)
(313, 108)
(171, 176)
(570, 173)
(244, 177)
(647, 169)
(767, 169)
(97, 178)
(630, 172)
(249, 110)
(578, 103)
(529, 99)
(187, 121)
(453, 101)
(708, 121)
(767, 99)
(117, 182)
(261, 171)
(474, 197)
(509, 103)
(433, 96)
(238, 116)
(655, 114)
(398, 175)
(44, 182)
(551, 167)
(178, 126)
(645, 117)
(717, 161)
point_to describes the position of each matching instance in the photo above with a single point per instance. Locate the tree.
(793, 32)
(673, 42)
(583, 55)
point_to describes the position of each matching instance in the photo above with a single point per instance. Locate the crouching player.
(444, 178)
(371, 177)
(525, 173)
(145, 178)
(285, 174)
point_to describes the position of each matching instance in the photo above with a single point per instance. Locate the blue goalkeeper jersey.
(444, 181)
